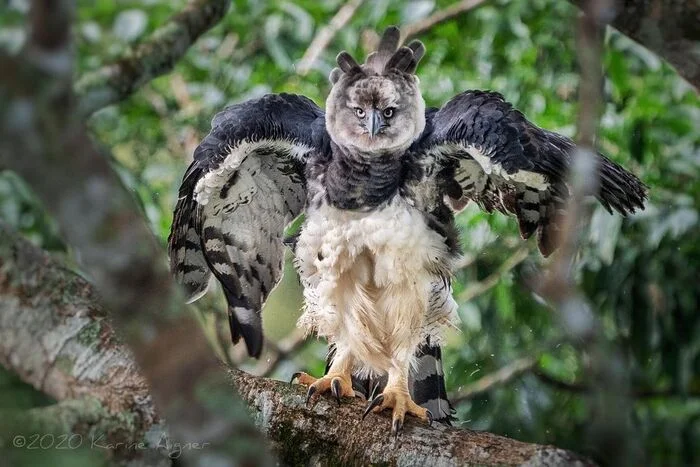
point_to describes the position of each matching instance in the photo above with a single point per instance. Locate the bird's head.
(377, 107)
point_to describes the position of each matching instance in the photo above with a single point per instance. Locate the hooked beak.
(375, 123)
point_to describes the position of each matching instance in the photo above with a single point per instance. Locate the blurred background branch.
(450, 12)
(55, 336)
(153, 57)
(504, 375)
(325, 35)
(609, 428)
(666, 27)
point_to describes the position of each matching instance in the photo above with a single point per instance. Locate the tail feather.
(427, 384)
(620, 189)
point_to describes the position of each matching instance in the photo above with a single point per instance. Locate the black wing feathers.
(503, 162)
(483, 120)
(187, 260)
(245, 184)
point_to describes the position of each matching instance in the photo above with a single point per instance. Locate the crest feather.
(418, 50)
(388, 56)
(386, 48)
(335, 75)
(402, 60)
(346, 62)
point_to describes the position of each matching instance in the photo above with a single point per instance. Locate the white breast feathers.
(369, 279)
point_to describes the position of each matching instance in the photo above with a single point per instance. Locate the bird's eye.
(359, 112)
(388, 112)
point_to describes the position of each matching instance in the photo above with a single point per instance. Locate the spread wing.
(245, 185)
(495, 157)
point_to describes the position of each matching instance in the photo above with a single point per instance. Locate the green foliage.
(640, 273)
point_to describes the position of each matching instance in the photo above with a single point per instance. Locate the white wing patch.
(531, 179)
(527, 195)
(218, 177)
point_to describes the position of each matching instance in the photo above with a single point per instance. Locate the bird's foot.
(401, 403)
(338, 384)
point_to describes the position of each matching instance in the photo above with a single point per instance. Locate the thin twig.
(439, 17)
(583, 388)
(583, 177)
(502, 376)
(479, 288)
(325, 35)
(604, 366)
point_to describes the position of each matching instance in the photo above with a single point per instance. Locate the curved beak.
(375, 122)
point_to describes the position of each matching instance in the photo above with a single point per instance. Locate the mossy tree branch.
(335, 435)
(155, 56)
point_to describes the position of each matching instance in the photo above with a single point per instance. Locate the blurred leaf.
(130, 24)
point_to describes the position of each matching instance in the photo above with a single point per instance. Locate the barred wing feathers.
(503, 162)
(245, 185)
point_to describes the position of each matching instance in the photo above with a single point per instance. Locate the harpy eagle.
(378, 177)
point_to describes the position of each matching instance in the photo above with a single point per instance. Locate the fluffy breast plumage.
(370, 277)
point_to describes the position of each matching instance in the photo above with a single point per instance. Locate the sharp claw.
(310, 392)
(376, 402)
(295, 376)
(335, 389)
(430, 417)
(396, 427)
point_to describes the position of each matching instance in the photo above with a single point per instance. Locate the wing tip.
(247, 324)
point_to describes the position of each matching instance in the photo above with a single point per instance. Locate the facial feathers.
(377, 107)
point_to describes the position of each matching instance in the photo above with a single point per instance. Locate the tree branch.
(636, 393)
(419, 27)
(668, 28)
(608, 430)
(481, 287)
(56, 336)
(155, 56)
(326, 34)
(502, 376)
(327, 434)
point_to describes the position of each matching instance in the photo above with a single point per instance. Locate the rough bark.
(57, 337)
(155, 56)
(669, 28)
(328, 434)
